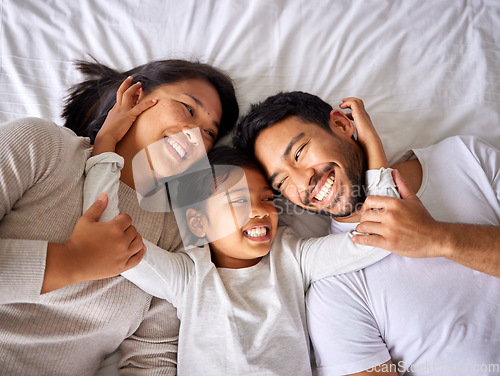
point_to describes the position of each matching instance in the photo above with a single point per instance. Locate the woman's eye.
(210, 133)
(191, 111)
(268, 199)
(239, 201)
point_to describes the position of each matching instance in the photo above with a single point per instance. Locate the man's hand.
(94, 250)
(403, 226)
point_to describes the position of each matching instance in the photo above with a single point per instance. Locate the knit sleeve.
(30, 149)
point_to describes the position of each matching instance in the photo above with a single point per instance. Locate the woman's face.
(178, 130)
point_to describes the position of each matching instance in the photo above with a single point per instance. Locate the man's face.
(315, 168)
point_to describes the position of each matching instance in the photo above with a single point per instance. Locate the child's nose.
(259, 211)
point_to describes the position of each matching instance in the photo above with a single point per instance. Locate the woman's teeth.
(326, 189)
(178, 148)
(257, 232)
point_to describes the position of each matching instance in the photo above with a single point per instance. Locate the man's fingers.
(404, 190)
(369, 240)
(369, 227)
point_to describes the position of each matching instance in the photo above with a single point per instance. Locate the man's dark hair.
(307, 107)
(89, 102)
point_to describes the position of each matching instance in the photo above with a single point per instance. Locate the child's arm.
(160, 273)
(374, 150)
(337, 253)
(367, 135)
(122, 244)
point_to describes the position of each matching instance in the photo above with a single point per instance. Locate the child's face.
(248, 209)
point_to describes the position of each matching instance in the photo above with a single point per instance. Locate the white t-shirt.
(430, 316)
(241, 321)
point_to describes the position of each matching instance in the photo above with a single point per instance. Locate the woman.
(46, 244)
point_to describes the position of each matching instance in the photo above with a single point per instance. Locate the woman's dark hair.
(89, 102)
(307, 107)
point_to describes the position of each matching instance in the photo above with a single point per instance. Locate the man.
(427, 314)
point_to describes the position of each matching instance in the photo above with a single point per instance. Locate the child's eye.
(191, 111)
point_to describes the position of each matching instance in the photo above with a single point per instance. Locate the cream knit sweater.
(71, 330)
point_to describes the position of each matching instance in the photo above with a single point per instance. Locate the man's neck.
(411, 171)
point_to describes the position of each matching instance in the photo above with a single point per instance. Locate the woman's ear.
(195, 222)
(339, 122)
(138, 96)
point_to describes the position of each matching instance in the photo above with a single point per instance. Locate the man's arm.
(405, 227)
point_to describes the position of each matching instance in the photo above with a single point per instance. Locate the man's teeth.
(325, 190)
(178, 148)
(257, 232)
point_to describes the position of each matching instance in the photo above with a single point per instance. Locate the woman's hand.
(367, 135)
(121, 117)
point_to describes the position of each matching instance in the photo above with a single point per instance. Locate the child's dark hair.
(307, 107)
(89, 102)
(196, 186)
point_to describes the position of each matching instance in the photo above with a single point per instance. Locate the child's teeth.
(257, 232)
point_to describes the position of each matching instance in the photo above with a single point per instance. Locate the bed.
(426, 70)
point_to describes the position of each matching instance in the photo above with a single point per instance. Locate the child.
(240, 298)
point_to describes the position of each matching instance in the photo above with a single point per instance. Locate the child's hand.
(121, 117)
(367, 135)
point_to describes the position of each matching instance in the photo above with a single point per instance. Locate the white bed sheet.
(426, 70)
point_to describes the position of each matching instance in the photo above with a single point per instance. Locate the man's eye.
(191, 111)
(268, 199)
(280, 184)
(297, 154)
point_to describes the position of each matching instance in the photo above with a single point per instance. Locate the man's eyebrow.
(200, 103)
(292, 142)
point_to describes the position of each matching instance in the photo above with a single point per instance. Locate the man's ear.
(339, 122)
(195, 222)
